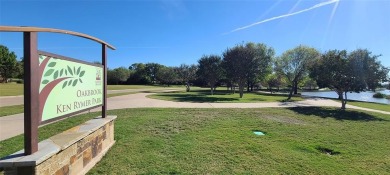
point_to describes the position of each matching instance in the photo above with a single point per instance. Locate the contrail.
(286, 15)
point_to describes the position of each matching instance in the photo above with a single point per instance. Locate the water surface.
(362, 96)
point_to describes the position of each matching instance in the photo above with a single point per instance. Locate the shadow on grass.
(198, 98)
(336, 114)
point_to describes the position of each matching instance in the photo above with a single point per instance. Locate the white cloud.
(286, 15)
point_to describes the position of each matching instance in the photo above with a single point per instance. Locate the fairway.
(221, 96)
(221, 141)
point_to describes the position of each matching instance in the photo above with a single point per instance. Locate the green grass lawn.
(11, 89)
(221, 141)
(121, 87)
(377, 106)
(10, 110)
(220, 96)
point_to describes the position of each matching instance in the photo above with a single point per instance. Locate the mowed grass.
(11, 89)
(221, 141)
(10, 110)
(122, 87)
(377, 106)
(220, 96)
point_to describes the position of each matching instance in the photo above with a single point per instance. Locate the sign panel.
(68, 86)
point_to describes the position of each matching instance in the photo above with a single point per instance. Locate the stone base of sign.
(74, 151)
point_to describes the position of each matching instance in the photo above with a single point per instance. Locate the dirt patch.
(327, 151)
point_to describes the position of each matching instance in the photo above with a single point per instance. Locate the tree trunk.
(295, 85)
(251, 87)
(241, 88)
(212, 90)
(247, 87)
(343, 101)
(188, 87)
(291, 92)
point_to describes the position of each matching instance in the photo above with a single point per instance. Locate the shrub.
(19, 82)
(379, 95)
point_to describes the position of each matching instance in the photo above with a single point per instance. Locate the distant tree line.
(248, 66)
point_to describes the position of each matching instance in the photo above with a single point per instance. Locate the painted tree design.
(52, 77)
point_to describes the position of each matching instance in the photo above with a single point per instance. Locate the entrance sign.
(67, 86)
(56, 86)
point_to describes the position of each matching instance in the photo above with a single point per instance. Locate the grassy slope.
(220, 96)
(220, 141)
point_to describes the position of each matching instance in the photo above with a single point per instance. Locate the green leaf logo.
(78, 70)
(70, 70)
(82, 73)
(70, 82)
(74, 82)
(63, 85)
(49, 72)
(45, 81)
(52, 64)
(55, 74)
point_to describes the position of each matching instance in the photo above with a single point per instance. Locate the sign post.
(31, 88)
(104, 62)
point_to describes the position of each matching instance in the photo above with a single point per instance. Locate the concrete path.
(13, 125)
(11, 100)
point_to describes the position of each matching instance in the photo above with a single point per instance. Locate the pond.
(362, 96)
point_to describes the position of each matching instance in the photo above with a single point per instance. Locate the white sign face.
(68, 86)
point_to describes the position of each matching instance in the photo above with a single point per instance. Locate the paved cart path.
(11, 126)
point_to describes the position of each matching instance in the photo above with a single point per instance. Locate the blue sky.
(172, 32)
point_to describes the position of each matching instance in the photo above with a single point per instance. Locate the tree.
(187, 73)
(138, 74)
(374, 72)
(151, 70)
(210, 70)
(293, 64)
(261, 63)
(339, 72)
(8, 63)
(308, 82)
(20, 69)
(117, 75)
(274, 80)
(247, 64)
(166, 75)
